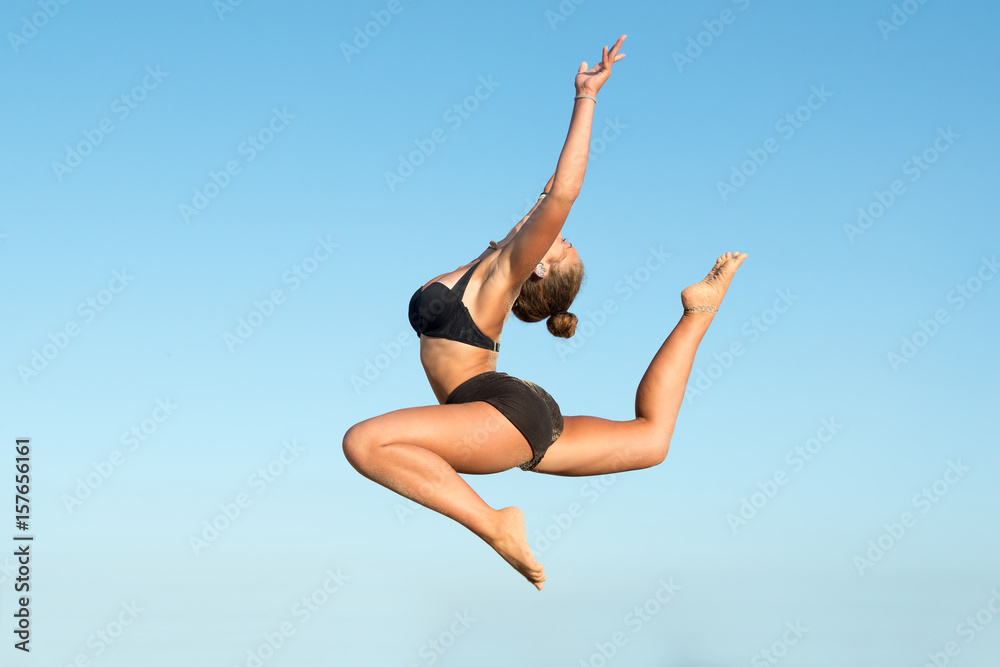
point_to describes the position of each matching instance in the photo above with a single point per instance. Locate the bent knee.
(659, 453)
(359, 445)
(652, 448)
(651, 455)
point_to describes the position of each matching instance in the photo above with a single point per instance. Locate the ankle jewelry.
(704, 309)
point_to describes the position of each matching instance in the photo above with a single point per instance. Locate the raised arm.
(516, 228)
(536, 234)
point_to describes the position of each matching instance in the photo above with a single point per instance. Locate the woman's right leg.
(594, 446)
(419, 453)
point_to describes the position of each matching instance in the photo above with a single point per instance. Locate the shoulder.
(495, 274)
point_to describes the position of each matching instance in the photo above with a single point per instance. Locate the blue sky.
(204, 256)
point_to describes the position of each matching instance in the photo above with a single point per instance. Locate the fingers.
(609, 58)
(616, 48)
(618, 45)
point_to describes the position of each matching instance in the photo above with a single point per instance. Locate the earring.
(540, 270)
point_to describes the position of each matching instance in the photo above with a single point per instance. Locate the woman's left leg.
(595, 446)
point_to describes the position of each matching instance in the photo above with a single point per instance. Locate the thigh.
(595, 446)
(473, 438)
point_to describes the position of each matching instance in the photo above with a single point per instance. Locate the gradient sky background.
(680, 130)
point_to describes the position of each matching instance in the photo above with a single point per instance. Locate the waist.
(480, 380)
(448, 364)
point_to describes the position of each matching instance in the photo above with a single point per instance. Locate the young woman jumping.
(488, 422)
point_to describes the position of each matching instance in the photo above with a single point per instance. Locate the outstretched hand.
(589, 81)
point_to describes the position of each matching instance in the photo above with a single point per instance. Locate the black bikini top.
(438, 312)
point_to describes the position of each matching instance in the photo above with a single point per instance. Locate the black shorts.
(526, 405)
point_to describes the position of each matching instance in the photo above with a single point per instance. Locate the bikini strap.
(463, 282)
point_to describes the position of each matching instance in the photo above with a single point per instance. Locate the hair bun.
(562, 324)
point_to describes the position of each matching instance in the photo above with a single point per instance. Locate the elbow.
(566, 193)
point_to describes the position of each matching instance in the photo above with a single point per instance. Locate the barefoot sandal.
(704, 309)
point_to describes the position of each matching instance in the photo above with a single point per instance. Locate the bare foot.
(709, 292)
(511, 541)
